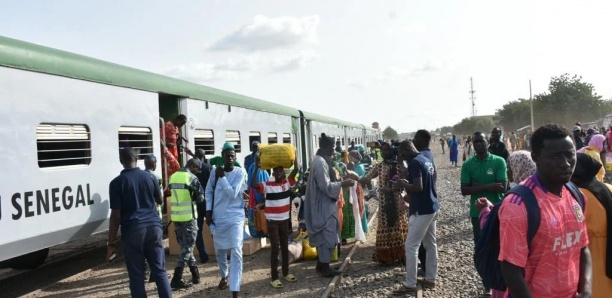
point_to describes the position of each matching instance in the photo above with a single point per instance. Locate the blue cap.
(228, 146)
(151, 156)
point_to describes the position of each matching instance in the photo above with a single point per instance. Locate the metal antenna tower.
(472, 97)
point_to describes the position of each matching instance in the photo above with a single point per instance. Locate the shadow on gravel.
(14, 286)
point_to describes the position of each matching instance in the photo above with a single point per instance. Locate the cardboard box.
(249, 246)
(174, 248)
(252, 245)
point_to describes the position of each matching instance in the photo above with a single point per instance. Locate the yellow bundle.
(276, 155)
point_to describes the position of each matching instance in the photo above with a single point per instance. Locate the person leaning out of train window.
(132, 196)
(598, 221)
(186, 193)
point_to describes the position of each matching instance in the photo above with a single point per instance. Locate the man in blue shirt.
(203, 176)
(423, 213)
(421, 141)
(249, 159)
(133, 195)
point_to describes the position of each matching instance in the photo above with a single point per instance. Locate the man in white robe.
(225, 217)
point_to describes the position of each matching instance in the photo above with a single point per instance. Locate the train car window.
(314, 141)
(272, 138)
(139, 138)
(286, 138)
(254, 136)
(233, 136)
(61, 145)
(205, 139)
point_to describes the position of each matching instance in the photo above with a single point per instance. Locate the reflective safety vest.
(182, 208)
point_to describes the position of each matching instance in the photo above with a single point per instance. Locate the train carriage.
(65, 117)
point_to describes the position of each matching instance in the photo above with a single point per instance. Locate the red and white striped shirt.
(278, 198)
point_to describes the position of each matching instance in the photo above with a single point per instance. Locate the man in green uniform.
(483, 175)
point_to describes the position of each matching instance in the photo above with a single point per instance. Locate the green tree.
(515, 114)
(389, 133)
(569, 99)
(470, 125)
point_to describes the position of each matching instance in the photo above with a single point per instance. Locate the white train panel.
(43, 203)
(218, 118)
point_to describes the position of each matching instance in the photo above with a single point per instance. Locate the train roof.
(330, 120)
(27, 56)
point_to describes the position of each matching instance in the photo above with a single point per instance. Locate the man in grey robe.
(321, 205)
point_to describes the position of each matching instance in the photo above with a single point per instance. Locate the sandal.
(290, 277)
(222, 284)
(276, 284)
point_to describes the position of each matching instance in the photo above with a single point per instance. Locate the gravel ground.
(456, 274)
(111, 280)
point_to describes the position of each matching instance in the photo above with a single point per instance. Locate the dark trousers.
(278, 231)
(140, 244)
(475, 229)
(199, 239)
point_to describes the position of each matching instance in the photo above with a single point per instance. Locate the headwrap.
(355, 154)
(521, 165)
(326, 142)
(586, 167)
(597, 141)
(585, 172)
(361, 148)
(345, 157)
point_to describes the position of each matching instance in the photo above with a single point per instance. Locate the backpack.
(487, 246)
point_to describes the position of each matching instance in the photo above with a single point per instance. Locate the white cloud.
(234, 69)
(396, 73)
(265, 33)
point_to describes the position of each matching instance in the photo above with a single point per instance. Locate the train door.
(169, 108)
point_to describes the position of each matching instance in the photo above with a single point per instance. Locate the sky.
(404, 64)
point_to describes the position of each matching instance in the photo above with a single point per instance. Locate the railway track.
(336, 281)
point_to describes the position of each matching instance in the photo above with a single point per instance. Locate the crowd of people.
(566, 257)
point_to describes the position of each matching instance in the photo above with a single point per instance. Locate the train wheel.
(27, 261)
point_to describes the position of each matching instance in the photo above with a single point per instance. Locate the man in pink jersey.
(558, 264)
(277, 202)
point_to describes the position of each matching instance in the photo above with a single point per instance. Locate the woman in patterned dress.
(392, 223)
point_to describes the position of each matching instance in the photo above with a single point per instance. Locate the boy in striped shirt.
(277, 202)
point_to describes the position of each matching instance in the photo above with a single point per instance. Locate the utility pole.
(531, 106)
(472, 97)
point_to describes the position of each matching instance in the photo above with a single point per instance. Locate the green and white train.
(64, 117)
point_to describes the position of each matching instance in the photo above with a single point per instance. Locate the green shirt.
(489, 170)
